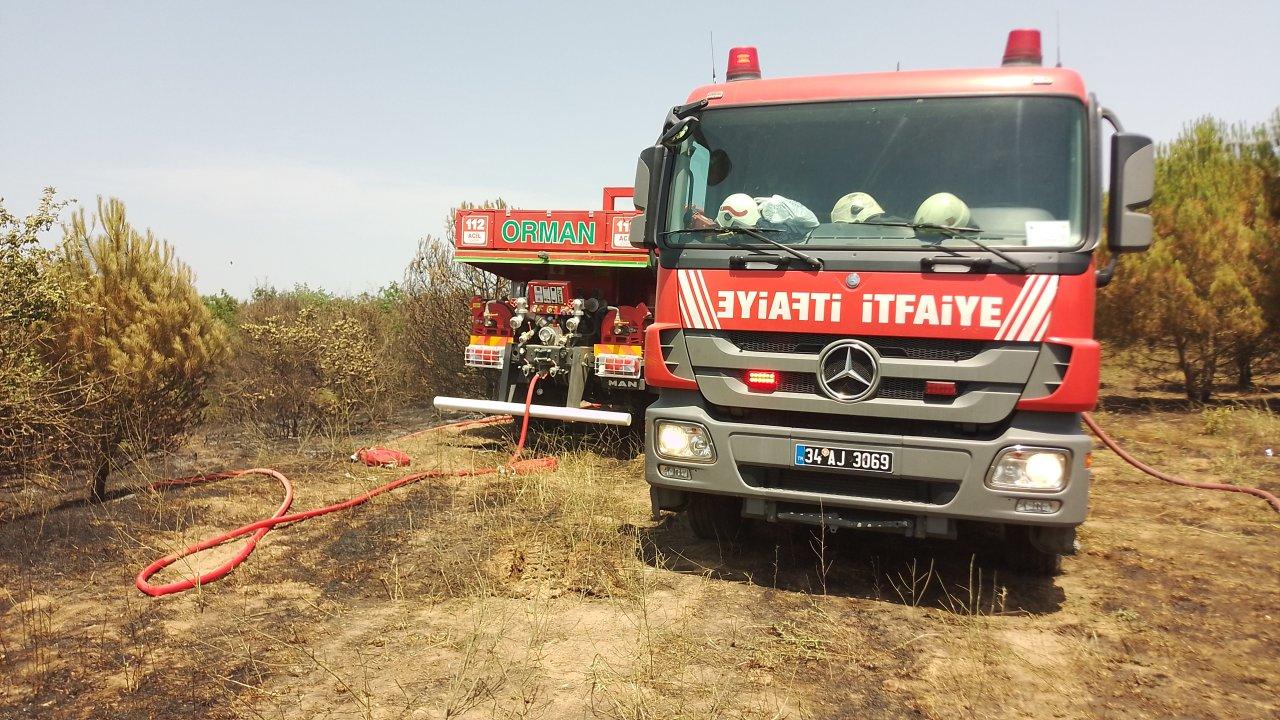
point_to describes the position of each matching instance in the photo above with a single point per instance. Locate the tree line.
(1204, 303)
(108, 353)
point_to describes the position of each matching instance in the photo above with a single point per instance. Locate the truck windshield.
(857, 174)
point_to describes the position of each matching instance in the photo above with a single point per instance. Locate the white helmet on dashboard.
(943, 209)
(738, 210)
(855, 207)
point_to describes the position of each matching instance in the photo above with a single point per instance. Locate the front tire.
(715, 517)
(1022, 555)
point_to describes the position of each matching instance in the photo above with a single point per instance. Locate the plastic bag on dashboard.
(785, 214)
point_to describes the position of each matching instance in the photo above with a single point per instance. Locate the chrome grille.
(794, 382)
(813, 343)
(989, 375)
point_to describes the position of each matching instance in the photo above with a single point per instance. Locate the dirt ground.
(556, 596)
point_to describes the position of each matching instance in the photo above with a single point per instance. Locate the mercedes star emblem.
(849, 370)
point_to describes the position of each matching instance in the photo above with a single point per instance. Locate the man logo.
(849, 370)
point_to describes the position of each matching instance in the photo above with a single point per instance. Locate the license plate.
(822, 456)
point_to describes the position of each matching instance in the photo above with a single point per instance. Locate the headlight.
(683, 441)
(1031, 469)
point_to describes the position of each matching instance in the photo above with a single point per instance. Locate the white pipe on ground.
(549, 412)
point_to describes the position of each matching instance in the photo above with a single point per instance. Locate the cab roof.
(1020, 80)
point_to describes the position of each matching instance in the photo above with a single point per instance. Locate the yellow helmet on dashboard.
(855, 207)
(943, 209)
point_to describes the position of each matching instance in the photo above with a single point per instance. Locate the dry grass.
(555, 595)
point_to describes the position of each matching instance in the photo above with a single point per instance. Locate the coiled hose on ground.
(282, 516)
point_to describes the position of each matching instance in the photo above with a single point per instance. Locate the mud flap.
(504, 389)
(577, 375)
(661, 498)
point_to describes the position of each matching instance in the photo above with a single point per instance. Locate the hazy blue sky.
(316, 142)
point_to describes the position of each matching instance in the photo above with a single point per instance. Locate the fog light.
(1038, 506)
(1028, 468)
(683, 441)
(675, 472)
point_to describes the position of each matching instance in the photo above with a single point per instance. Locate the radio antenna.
(712, 33)
(1057, 32)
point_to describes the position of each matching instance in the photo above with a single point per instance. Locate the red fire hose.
(1115, 448)
(258, 529)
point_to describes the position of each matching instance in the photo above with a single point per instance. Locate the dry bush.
(140, 345)
(1251, 426)
(307, 361)
(435, 302)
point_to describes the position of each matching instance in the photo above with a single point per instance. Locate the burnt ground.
(555, 595)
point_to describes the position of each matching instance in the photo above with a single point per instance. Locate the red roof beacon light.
(744, 64)
(1023, 48)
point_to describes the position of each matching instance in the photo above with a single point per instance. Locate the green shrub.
(1217, 420)
(33, 412)
(222, 307)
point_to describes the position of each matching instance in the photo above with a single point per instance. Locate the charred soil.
(555, 595)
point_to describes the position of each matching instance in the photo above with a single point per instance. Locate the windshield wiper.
(811, 261)
(955, 232)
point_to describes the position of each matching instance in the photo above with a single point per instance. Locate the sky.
(316, 142)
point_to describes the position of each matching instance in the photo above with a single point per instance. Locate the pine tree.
(1197, 295)
(1260, 149)
(143, 345)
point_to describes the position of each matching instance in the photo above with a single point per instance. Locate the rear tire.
(715, 517)
(1022, 555)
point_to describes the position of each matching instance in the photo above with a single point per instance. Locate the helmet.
(943, 209)
(855, 207)
(738, 210)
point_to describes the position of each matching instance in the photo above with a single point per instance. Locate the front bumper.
(935, 480)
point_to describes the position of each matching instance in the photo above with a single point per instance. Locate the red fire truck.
(579, 302)
(874, 299)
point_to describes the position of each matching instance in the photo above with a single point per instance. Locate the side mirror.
(1133, 180)
(644, 171)
(678, 131)
(648, 176)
